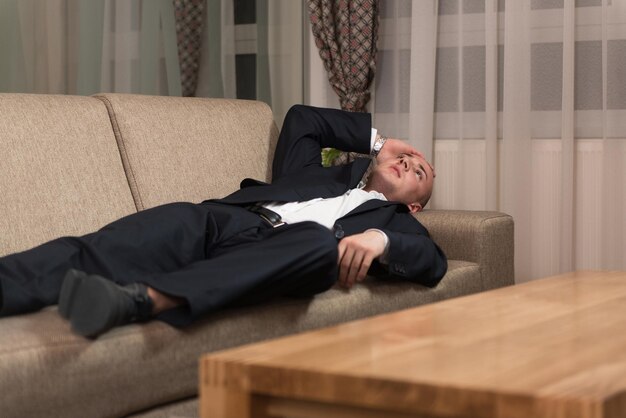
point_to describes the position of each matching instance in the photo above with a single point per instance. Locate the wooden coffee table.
(553, 348)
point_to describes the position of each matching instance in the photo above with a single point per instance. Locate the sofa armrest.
(485, 238)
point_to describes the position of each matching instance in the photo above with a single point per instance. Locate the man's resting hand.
(356, 254)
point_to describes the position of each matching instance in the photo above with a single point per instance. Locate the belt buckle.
(269, 221)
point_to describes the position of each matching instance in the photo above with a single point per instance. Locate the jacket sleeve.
(413, 256)
(307, 130)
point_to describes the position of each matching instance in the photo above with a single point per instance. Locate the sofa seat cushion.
(140, 366)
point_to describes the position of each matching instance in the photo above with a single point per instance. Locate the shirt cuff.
(373, 138)
(383, 257)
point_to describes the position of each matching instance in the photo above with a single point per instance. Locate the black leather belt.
(267, 215)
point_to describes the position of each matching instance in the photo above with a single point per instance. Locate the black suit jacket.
(298, 175)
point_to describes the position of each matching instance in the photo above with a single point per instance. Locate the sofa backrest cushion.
(61, 170)
(190, 149)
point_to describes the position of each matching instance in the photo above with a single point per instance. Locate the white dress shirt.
(326, 211)
(323, 211)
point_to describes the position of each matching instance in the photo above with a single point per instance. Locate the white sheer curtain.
(523, 103)
(78, 47)
(285, 52)
(217, 75)
(276, 40)
(139, 51)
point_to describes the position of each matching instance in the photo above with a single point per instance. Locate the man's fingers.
(363, 269)
(341, 247)
(345, 262)
(394, 147)
(357, 269)
(350, 265)
(356, 254)
(354, 269)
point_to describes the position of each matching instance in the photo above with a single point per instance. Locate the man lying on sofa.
(311, 227)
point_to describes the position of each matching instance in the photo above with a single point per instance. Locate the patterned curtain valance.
(346, 32)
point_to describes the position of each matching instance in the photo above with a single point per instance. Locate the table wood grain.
(550, 348)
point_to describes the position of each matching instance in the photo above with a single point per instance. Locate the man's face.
(407, 179)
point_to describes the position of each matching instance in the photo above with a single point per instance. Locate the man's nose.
(405, 163)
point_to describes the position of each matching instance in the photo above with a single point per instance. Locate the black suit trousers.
(212, 254)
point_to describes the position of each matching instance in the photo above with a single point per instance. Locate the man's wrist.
(378, 145)
(383, 257)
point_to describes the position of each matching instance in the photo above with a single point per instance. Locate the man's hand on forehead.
(394, 147)
(420, 155)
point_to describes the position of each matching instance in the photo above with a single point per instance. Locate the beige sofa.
(72, 164)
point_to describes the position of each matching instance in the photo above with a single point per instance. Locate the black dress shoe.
(72, 280)
(94, 304)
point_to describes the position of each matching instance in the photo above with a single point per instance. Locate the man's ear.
(414, 207)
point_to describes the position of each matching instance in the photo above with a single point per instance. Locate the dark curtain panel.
(346, 32)
(188, 15)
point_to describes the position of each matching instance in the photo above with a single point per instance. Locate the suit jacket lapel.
(359, 167)
(371, 214)
(261, 193)
(373, 205)
(312, 183)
